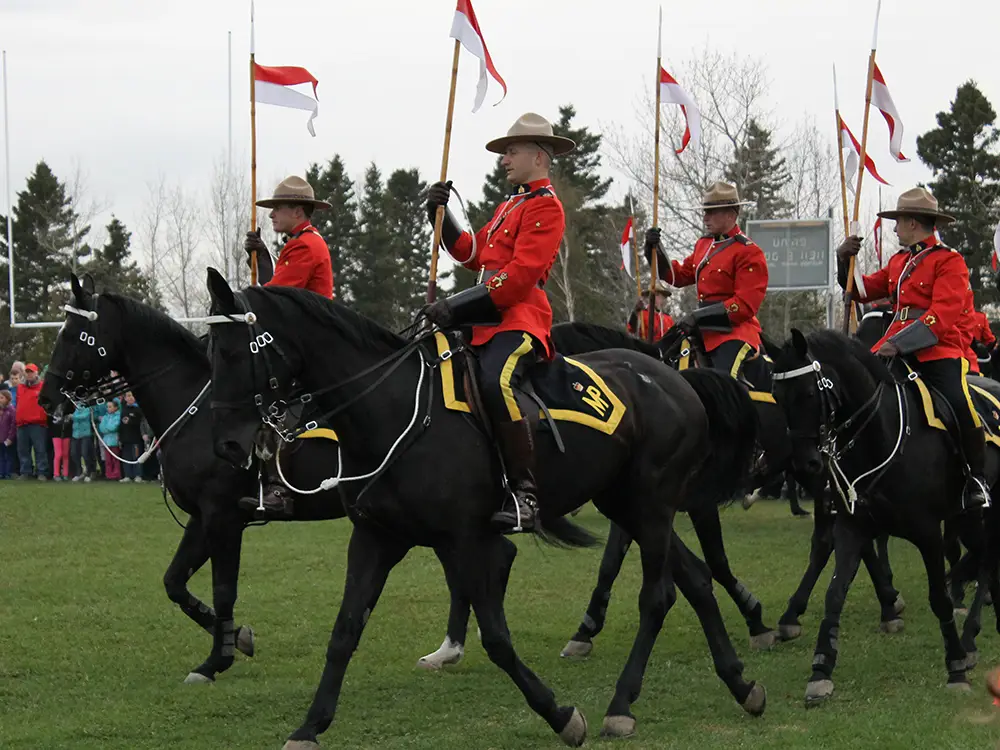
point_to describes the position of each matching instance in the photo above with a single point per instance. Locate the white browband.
(247, 318)
(814, 367)
(90, 315)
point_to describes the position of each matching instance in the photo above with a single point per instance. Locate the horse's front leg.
(615, 549)
(370, 557)
(224, 538)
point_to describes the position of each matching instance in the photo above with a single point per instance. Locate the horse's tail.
(561, 532)
(732, 434)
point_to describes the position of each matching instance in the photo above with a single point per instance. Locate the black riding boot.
(518, 450)
(976, 493)
(277, 500)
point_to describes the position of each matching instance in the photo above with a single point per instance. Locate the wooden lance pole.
(635, 248)
(849, 320)
(253, 151)
(654, 259)
(848, 305)
(439, 216)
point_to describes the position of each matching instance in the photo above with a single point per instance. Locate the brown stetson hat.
(532, 128)
(662, 289)
(722, 195)
(293, 190)
(917, 202)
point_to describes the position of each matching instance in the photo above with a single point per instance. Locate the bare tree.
(230, 192)
(151, 228)
(85, 209)
(183, 257)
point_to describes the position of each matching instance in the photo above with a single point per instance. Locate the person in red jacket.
(980, 339)
(928, 284)
(638, 321)
(729, 273)
(304, 261)
(32, 426)
(508, 308)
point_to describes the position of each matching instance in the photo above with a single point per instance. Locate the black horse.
(422, 475)
(848, 415)
(576, 338)
(167, 368)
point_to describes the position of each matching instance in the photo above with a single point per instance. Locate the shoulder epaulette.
(742, 239)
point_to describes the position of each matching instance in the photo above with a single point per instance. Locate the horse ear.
(799, 343)
(88, 284)
(74, 285)
(222, 295)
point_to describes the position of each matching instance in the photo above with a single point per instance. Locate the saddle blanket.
(570, 390)
(758, 391)
(985, 395)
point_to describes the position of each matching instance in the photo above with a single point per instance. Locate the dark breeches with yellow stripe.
(504, 362)
(737, 358)
(948, 377)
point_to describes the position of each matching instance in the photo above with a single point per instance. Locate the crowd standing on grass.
(79, 445)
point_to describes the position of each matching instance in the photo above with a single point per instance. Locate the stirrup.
(531, 504)
(972, 478)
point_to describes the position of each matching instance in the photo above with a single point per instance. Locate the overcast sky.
(131, 89)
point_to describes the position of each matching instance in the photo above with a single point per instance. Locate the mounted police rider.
(729, 273)
(305, 263)
(928, 284)
(508, 308)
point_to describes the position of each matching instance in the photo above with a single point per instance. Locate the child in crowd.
(82, 445)
(8, 429)
(130, 435)
(109, 426)
(61, 432)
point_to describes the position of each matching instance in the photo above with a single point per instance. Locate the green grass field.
(93, 655)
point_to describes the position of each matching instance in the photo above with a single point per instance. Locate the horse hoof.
(196, 678)
(756, 702)
(789, 632)
(971, 659)
(899, 606)
(618, 726)
(577, 650)
(764, 641)
(818, 691)
(300, 745)
(892, 626)
(749, 500)
(959, 687)
(574, 733)
(245, 640)
(449, 654)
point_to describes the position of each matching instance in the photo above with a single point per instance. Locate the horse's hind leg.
(847, 543)
(370, 558)
(656, 597)
(485, 566)
(452, 649)
(615, 549)
(931, 549)
(191, 555)
(708, 527)
(694, 580)
(890, 602)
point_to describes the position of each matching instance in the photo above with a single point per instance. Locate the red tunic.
(933, 278)
(663, 323)
(304, 262)
(518, 247)
(975, 327)
(732, 271)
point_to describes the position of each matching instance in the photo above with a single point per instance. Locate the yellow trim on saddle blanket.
(319, 432)
(763, 396)
(933, 420)
(685, 362)
(598, 397)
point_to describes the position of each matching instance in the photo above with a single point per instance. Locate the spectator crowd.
(81, 444)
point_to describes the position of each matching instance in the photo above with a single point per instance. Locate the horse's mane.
(139, 319)
(857, 366)
(580, 338)
(355, 327)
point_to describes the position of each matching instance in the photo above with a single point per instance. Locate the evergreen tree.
(409, 246)
(374, 268)
(760, 174)
(338, 225)
(962, 155)
(114, 270)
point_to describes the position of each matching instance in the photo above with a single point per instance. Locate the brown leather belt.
(485, 274)
(908, 313)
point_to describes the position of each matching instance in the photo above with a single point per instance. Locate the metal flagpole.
(253, 151)
(654, 259)
(10, 206)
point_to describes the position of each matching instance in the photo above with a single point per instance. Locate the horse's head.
(85, 349)
(252, 377)
(805, 394)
